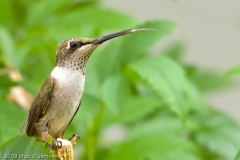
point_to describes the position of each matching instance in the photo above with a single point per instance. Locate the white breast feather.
(70, 80)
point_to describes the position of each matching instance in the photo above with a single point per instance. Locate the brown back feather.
(39, 105)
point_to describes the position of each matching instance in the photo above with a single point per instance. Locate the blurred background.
(210, 30)
(147, 95)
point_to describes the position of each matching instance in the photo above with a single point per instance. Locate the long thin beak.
(113, 35)
(128, 31)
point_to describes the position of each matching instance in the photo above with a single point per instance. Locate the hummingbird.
(59, 98)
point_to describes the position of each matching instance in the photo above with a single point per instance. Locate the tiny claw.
(74, 138)
(55, 145)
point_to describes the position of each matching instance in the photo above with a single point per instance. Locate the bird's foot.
(74, 139)
(55, 145)
(52, 143)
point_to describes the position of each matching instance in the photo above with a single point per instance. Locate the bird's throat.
(68, 76)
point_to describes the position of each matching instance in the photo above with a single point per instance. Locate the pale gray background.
(210, 31)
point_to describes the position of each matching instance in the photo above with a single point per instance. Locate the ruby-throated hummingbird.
(60, 96)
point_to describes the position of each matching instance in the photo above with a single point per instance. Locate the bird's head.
(74, 53)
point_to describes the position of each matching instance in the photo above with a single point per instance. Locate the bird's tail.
(24, 126)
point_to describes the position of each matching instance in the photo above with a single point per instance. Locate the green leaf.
(138, 107)
(43, 68)
(137, 44)
(6, 10)
(125, 49)
(36, 13)
(152, 147)
(167, 79)
(7, 46)
(237, 157)
(92, 82)
(172, 155)
(88, 21)
(23, 147)
(11, 127)
(16, 22)
(159, 125)
(233, 71)
(175, 52)
(107, 62)
(218, 134)
(5, 83)
(115, 92)
(207, 80)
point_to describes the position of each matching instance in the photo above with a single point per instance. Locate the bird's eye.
(74, 45)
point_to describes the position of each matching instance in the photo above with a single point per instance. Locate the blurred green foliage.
(154, 101)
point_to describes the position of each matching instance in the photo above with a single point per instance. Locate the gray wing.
(39, 105)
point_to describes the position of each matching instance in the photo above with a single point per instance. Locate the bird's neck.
(75, 65)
